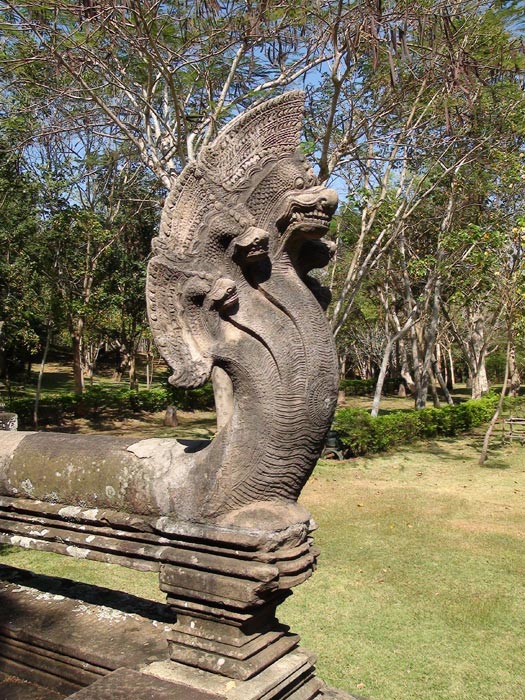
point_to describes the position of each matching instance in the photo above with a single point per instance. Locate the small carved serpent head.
(223, 296)
(251, 246)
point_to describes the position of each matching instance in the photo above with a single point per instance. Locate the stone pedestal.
(218, 633)
(227, 635)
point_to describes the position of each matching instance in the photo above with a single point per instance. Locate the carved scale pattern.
(227, 288)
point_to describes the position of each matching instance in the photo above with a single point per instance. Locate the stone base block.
(8, 421)
(292, 676)
(13, 688)
(64, 636)
(124, 684)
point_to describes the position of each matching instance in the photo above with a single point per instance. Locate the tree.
(161, 76)
(20, 286)
(429, 103)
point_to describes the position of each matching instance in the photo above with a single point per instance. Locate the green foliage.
(200, 399)
(361, 434)
(364, 387)
(357, 387)
(100, 399)
(21, 285)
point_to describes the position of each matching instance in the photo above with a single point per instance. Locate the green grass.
(419, 594)
(58, 379)
(420, 587)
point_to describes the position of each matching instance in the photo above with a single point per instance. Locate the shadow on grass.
(445, 448)
(191, 426)
(88, 593)
(6, 549)
(500, 464)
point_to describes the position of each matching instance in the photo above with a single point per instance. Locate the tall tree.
(161, 75)
(20, 285)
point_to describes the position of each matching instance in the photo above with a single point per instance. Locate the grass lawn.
(420, 589)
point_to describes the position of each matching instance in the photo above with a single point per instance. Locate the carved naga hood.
(228, 287)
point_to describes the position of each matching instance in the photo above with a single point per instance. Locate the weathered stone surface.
(125, 684)
(8, 421)
(13, 688)
(65, 635)
(95, 471)
(170, 417)
(291, 676)
(229, 288)
(251, 559)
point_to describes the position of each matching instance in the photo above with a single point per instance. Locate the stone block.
(126, 684)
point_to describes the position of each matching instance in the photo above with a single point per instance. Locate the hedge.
(98, 399)
(366, 387)
(361, 434)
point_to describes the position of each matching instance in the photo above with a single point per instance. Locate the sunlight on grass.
(421, 581)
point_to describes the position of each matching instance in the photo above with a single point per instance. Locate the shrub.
(99, 399)
(366, 387)
(148, 400)
(353, 425)
(200, 399)
(362, 434)
(357, 387)
(23, 407)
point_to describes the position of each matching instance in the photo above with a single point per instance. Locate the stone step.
(13, 688)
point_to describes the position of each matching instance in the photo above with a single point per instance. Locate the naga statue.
(230, 297)
(229, 294)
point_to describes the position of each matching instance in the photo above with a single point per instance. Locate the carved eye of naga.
(223, 295)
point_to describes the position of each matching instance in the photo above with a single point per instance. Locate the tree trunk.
(435, 397)
(77, 327)
(41, 373)
(421, 390)
(381, 379)
(90, 357)
(408, 381)
(486, 441)
(342, 364)
(442, 382)
(2, 352)
(479, 381)
(122, 362)
(514, 374)
(451, 375)
(386, 358)
(149, 367)
(133, 380)
(478, 372)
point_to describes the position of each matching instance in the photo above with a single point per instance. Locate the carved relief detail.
(229, 287)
